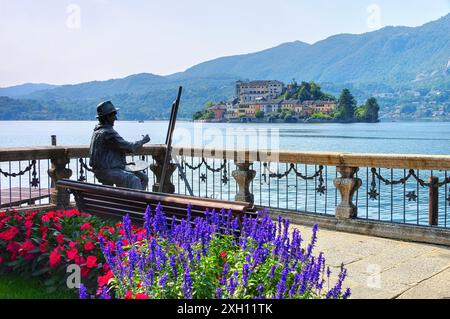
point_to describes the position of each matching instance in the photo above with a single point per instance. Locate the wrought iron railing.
(398, 189)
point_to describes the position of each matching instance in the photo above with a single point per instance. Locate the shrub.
(210, 257)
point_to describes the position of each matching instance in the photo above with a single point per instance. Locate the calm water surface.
(406, 137)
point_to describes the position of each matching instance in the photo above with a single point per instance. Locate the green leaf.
(40, 272)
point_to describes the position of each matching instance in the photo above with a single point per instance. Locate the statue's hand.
(146, 139)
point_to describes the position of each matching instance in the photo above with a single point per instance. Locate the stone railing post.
(244, 176)
(347, 185)
(157, 169)
(59, 197)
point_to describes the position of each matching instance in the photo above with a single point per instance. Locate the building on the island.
(249, 91)
(272, 106)
(290, 105)
(232, 109)
(219, 111)
(243, 110)
(311, 107)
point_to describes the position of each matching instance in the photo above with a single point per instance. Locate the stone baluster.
(157, 169)
(58, 196)
(347, 185)
(244, 176)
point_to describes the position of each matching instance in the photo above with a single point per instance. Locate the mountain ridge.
(392, 58)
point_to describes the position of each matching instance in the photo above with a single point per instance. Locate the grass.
(13, 286)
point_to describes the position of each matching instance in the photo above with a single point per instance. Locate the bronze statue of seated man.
(108, 152)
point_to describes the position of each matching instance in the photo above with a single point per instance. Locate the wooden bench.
(115, 202)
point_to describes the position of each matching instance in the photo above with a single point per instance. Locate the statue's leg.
(104, 177)
(143, 178)
(129, 180)
(120, 178)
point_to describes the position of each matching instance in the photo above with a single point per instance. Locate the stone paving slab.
(380, 268)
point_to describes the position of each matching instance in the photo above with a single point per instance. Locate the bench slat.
(113, 202)
(137, 195)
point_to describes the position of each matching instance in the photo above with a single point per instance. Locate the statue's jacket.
(108, 149)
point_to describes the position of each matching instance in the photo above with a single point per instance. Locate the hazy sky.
(62, 42)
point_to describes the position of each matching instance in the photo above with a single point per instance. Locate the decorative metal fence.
(399, 189)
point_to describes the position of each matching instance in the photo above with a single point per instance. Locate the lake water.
(401, 137)
(288, 193)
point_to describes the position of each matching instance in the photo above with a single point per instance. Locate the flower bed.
(205, 258)
(43, 244)
(212, 257)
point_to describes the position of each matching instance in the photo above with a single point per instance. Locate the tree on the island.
(346, 106)
(259, 115)
(304, 92)
(204, 114)
(209, 104)
(197, 116)
(371, 110)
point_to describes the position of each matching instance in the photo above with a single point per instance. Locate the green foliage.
(320, 116)
(259, 115)
(360, 113)
(204, 114)
(371, 110)
(306, 91)
(13, 286)
(346, 106)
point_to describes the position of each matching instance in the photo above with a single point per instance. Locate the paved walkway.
(384, 269)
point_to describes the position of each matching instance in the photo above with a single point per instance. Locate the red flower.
(55, 258)
(13, 247)
(86, 225)
(85, 272)
(1, 260)
(104, 280)
(72, 244)
(141, 296)
(129, 295)
(223, 254)
(79, 260)
(60, 239)
(72, 253)
(43, 247)
(10, 234)
(26, 247)
(89, 246)
(7, 235)
(91, 261)
(28, 224)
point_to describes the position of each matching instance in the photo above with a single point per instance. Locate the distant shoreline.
(256, 122)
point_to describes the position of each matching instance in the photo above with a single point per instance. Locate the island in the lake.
(272, 101)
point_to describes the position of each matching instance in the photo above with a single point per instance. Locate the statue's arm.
(117, 141)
